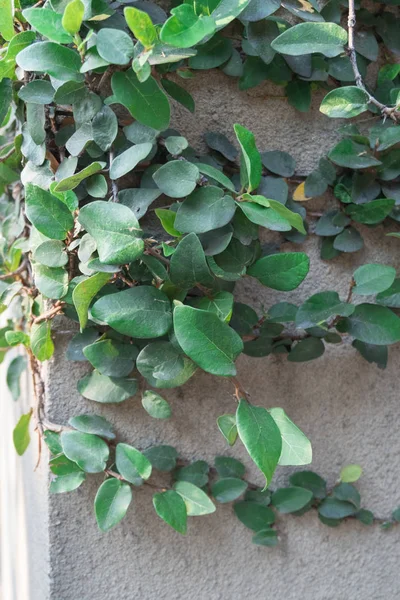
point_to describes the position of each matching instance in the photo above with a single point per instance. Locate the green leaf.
(184, 28)
(179, 94)
(70, 183)
(88, 451)
(391, 296)
(296, 447)
(372, 279)
(332, 508)
(73, 16)
(229, 467)
(84, 293)
(15, 369)
(167, 218)
(41, 343)
(305, 38)
(106, 390)
(188, 266)
(53, 443)
(279, 163)
(284, 271)
(372, 353)
(291, 499)
(345, 102)
(5, 98)
(48, 23)
(221, 304)
(261, 437)
(177, 178)
(349, 240)
(227, 426)
(228, 489)
(132, 464)
(111, 503)
(320, 307)
(111, 358)
(47, 213)
(373, 324)
(127, 160)
(93, 424)
(197, 502)
(251, 168)
(141, 26)
(294, 219)
(350, 473)
(227, 10)
(7, 20)
(371, 213)
(115, 46)
(145, 100)
(115, 229)
(155, 405)
(21, 436)
(254, 516)
(351, 155)
(51, 253)
(160, 360)
(265, 537)
(205, 209)
(58, 61)
(163, 458)
(68, 475)
(171, 508)
(307, 349)
(51, 282)
(140, 312)
(209, 342)
(266, 217)
(311, 481)
(217, 175)
(104, 127)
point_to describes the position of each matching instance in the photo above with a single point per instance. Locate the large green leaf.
(184, 28)
(141, 312)
(205, 209)
(48, 23)
(115, 46)
(145, 100)
(111, 503)
(115, 229)
(71, 182)
(111, 358)
(51, 282)
(351, 155)
(127, 160)
(306, 38)
(296, 447)
(209, 342)
(47, 213)
(177, 178)
(251, 167)
(7, 19)
(106, 390)
(373, 324)
(320, 307)
(188, 264)
(254, 516)
(197, 502)
(73, 16)
(21, 436)
(84, 293)
(372, 279)
(227, 10)
(141, 25)
(171, 508)
(58, 61)
(68, 476)
(344, 102)
(160, 360)
(132, 464)
(261, 437)
(284, 271)
(93, 424)
(88, 451)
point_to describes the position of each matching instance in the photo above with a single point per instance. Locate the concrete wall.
(347, 407)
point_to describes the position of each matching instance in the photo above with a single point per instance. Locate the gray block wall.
(347, 407)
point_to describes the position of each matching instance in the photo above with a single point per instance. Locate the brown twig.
(18, 271)
(50, 314)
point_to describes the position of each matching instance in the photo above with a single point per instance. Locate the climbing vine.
(111, 218)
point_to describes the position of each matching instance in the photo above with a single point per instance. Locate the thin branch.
(50, 314)
(20, 269)
(387, 111)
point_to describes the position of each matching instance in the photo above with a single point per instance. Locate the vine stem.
(20, 269)
(50, 314)
(387, 111)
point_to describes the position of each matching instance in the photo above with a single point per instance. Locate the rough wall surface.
(347, 407)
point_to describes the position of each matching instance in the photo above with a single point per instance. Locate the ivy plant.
(110, 217)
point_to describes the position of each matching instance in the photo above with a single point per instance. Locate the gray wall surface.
(347, 407)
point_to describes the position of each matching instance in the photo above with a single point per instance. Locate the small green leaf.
(7, 20)
(107, 390)
(179, 94)
(70, 183)
(88, 451)
(229, 467)
(197, 502)
(21, 436)
(51, 282)
(171, 508)
(68, 476)
(93, 424)
(227, 426)
(127, 160)
(345, 102)
(111, 503)
(205, 209)
(373, 325)
(311, 481)
(326, 38)
(84, 293)
(332, 508)
(291, 499)
(115, 46)
(58, 61)
(73, 16)
(209, 342)
(351, 473)
(141, 26)
(188, 266)
(251, 167)
(184, 28)
(47, 213)
(132, 464)
(111, 358)
(296, 447)
(254, 516)
(41, 343)
(48, 23)
(265, 537)
(261, 437)
(307, 349)
(320, 307)
(155, 405)
(228, 489)
(141, 312)
(163, 458)
(372, 279)
(284, 271)
(177, 178)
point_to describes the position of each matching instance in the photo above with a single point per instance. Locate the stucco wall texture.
(347, 407)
